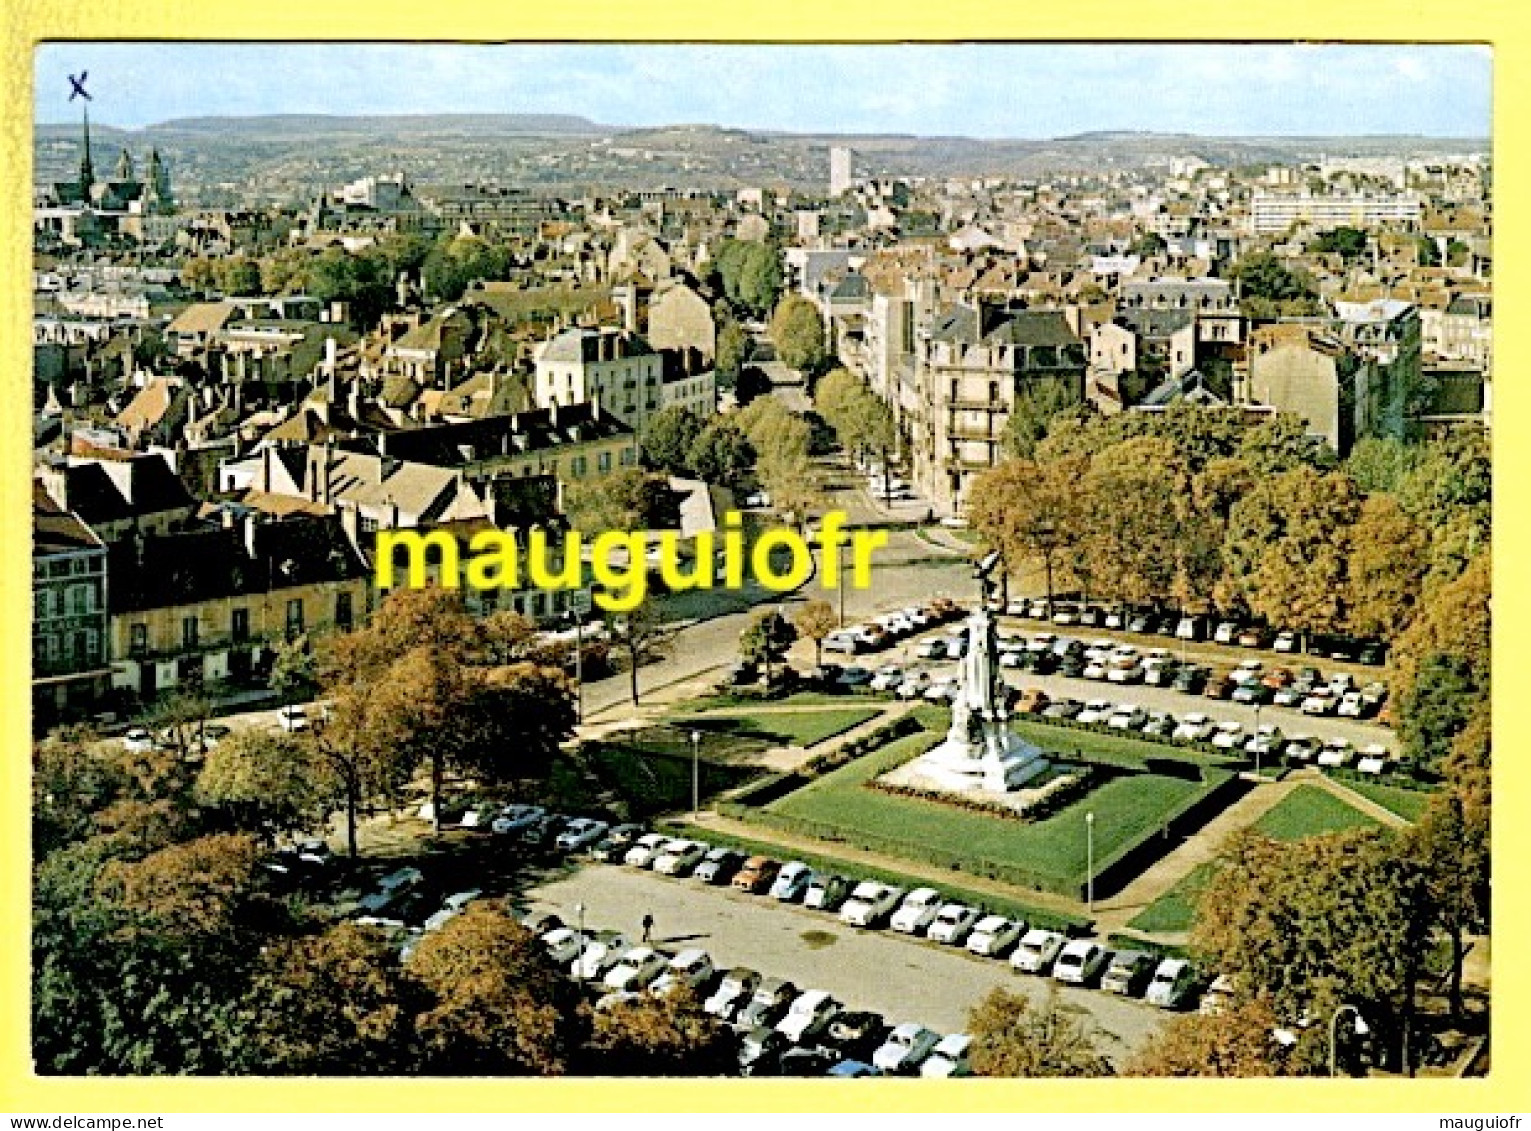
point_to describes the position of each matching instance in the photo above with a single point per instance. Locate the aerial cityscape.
(761, 561)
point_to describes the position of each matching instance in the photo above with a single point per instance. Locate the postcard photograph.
(769, 560)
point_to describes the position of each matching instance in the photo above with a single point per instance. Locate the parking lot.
(901, 978)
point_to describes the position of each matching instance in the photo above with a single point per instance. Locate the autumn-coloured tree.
(294, 670)
(661, 1036)
(499, 1007)
(1014, 1037)
(267, 781)
(1131, 528)
(1451, 844)
(331, 1004)
(721, 453)
(1312, 923)
(1029, 510)
(1237, 1041)
(625, 500)
(814, 621)
(198, 887)
(1388, 559)
(1453, 622)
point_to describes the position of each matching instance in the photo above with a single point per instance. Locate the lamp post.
(1361, 1029)
(696, 777)
(1089, 857)
(1257, 741)
(579, 961)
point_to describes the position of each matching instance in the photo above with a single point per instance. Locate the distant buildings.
(1274, 213)
(841, 171)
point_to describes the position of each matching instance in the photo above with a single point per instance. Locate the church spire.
(87, 170)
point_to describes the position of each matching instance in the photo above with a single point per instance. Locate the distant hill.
(311, 125)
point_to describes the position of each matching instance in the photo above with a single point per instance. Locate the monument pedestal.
(999, 763)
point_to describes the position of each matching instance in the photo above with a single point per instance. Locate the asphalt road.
(901, 978)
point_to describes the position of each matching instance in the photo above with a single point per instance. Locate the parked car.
(932, 649)
(292, 717)
(680, 858)
(1173, 984)
(580, 833)
(1219, 686)
(1159, 672)
(1080, 962)
(768, 1003)
(1285, 642)
(843, 641)
(1128, 973)
(1095, 711)
(949, 1057)
(614, 845)
(733, 993)
(719, 865)
(1037, 951)
(994, 935)
(887, 678)
(791, 882)
(1160, 724)
(645, 850)
(952, 924)
(137, 741)
(1252, 694)
(1190, 628)
(1217, 997)
(1352, 706)
(1252, 638)
(827, 892)
(1301, 748)
(1265, 742)
(757, 875)
(1033, 701)
(870, 904)
(1062, 709)
(855, 1033)
(808, 1016)
(1229, 735)
(905, 1049)
(917, 912)
(1225, 633)
(1336, 752)
(1320, 701)
(1127, 716)
(760, 1051)
(603, 950)
(1194, 727)
(635, 970)
(691, 968)
(563, 945)
(543, 832)
(1191, 679)
(1293, 694)
(914, 685)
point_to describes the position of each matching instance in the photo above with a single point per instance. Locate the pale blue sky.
(992, 90)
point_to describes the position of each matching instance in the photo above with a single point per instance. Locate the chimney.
(265, 468)
(250, 521)
(329, 459)
(353, 399)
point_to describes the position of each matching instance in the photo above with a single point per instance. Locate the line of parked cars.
(884, 631)
(1228, 631)
(921, 913)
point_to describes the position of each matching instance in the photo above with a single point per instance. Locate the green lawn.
(1126, 808)
(650, 770)
(999, 905)
(1173, 911)
(1309, 811)
(1118, 749)
(785, 728)
(796, 699)
(1407, 803)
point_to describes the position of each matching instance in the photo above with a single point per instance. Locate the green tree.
(1013, 1037)
(294, 670)
(669, 437)
(750, 273)
(1132, 529)
(264, 782)
(1386, 566)
(627, 499)
(71, 783)
(640, 637)
(1149, 243)
(721, 454)
(1451, 844)
(797, 331)
(766, 639)
(733, 352)
(1347, 243)
(1035, 408)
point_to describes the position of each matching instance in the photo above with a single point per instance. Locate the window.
(92, 645)
(368, 525)
(343, 612)
(138, 639)
(42, 604)
(629, 457)
(294, 618)
(239, 625)
(189, 629)
(603, 461)
(81, 600)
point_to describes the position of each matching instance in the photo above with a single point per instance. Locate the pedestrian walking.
(648, 928)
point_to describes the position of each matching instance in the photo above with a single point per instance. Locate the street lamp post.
(696, 776)
(1361, 1029)
(840, 579)
(579, 961)
(1257, 742)
(1089, 856)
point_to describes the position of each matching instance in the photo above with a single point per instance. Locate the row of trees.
(679, 441)
(862, 420)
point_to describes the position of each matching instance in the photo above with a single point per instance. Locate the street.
(891, 974)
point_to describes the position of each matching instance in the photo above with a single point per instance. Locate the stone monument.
(979, 752)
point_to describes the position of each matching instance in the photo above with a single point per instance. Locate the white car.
(1351, 705)
(1285, 642)
(943, 690)
(1225, 633)
(843, 641)
(646, 849)
(914, 686)
(1265, 741)
(1173, 984)
(1037, 952)
(887, 679)
(1336, 752)
(1095, 711)
(1128, 716)
(904, 1050)
(732, 992)
(791, 882)
(564, 945)
(949, 1057)
(1229, 735)
(870, 903)
(1125, 669)
(692, 967)
(1320, 701)
(917, 912)
(1301, 747)
(932, 649)
(451, 908)
(1193, 728)
(1041, 642)
(138, 741)
(680, 857)
(952, 924)
(1080, 962)
(293, 718)
(993, 935)
(636, 969)
(1096, 670)
(601, 953)
(808, 1016)
(1248, 671)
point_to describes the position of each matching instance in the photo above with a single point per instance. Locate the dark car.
(827, 892)
(742, 673)
(1072, 665)
(1043, 663)
(542, 832)
(1372, 654)
(768, 1004)
(1161, 675)
(760, 1051)
(1128, 973)
(718, 866)
(807, 1062)
(1253, 693)
(1190, 679)
(614, 845)
(856, 1035)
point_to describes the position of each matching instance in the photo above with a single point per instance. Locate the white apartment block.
(840, 170)
(1274, 213)
(613, 368)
